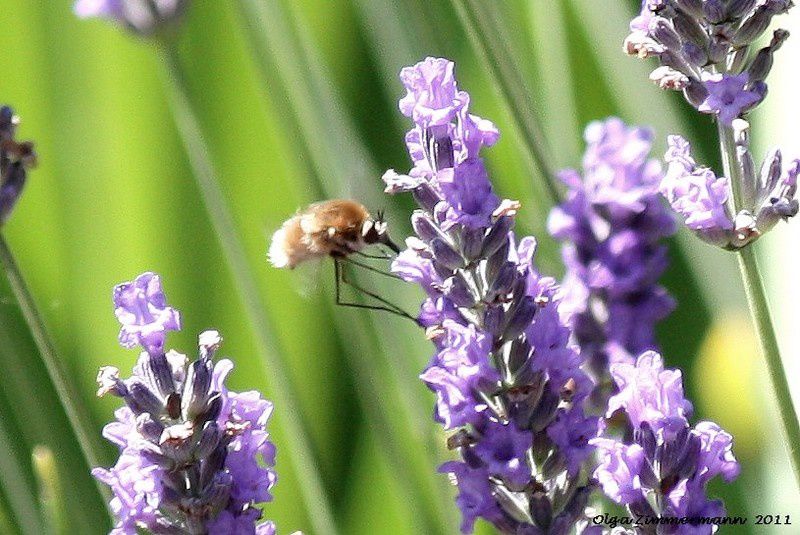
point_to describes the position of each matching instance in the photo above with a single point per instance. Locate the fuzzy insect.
(338, 229)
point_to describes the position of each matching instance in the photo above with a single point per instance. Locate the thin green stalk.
(314, 495)
(78, 417)
(759, 308)
(488, 40)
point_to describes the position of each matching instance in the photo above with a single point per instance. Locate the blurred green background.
(297, 101)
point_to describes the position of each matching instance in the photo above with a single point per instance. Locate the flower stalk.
(762, 320)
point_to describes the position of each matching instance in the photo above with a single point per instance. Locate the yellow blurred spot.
(729, 383)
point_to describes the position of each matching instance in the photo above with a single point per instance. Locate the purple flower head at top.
(110, 9)
(194, 456)
(504, 375)
(728, 96)
(649, 393)
(664, 471)
(144, 17)
(432, 97)
(612, 225)
(15, 159)
(693, 41)
(141, 308)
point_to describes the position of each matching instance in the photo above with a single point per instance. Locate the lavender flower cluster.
(516, 355)
(504, 375)
(704, 47)
(613, 224)
(195, 458)
(144, 17)
(664, 471)
(16, 157)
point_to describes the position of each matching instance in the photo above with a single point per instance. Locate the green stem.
(756, 296)
(314, 495)
(759, 308)
(78, 417)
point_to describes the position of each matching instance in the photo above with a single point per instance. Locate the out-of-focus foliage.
(292, 114)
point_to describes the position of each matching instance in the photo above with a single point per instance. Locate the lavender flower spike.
(15, 159)
(612, 226)
(195, 458)
(664, 472)
(505, 378)
(144, 17)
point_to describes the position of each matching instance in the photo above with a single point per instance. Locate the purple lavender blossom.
(144, 17)
(504, 374)
(695, 192)
(15, 160)
(668, 461)
(704, 200)
(194, 457)
(141, 308)
(110, 9)
(612, 225)
(728, 96)
(704, 48)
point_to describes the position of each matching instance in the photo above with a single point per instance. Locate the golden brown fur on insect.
(327, 228)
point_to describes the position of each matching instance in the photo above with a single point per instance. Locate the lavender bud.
(545, 411)
(661, 29)
(694, 54)
(745, 160)
(541, 510)
(519, 317)
(690, 30)
(518, 355)
(445, 254)
(770, 171)
(196, 389)
(753, 26)
(457, 290)
(739, 8)
(695, 92)
(426, 198)
(493, 321)
(496, 261)
(497, 236)
(149, 428)
(718, 50)
(142, 399)
(762, 63)
(714, 11)
(424, 227)
(472, 243)
(160, 374)
(501, 284)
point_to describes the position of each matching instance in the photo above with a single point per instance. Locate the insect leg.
(368, 267)
(341, 278)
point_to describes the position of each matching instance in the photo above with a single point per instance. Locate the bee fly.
(340, 229)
